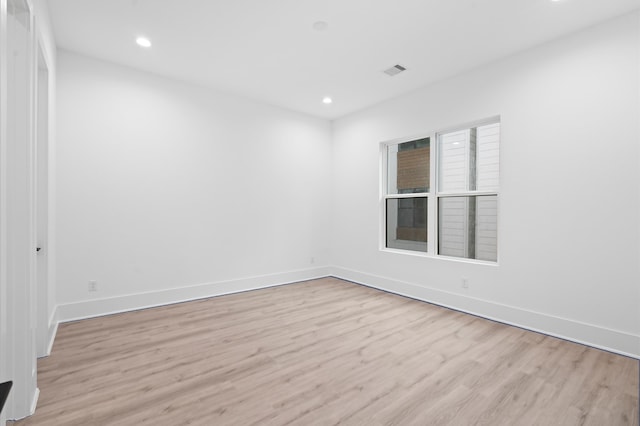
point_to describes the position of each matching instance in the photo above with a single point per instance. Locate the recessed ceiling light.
(320, 26)
(143, 42)
(327, 100)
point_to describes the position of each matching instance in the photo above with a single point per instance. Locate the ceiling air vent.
(394, 70)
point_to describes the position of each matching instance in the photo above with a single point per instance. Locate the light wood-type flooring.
(324, 352)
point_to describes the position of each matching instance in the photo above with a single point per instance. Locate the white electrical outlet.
(465, 283)
(93, 285)
(313, 260)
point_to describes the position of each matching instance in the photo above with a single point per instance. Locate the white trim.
(42, 197)
(439, 256)
(4, 316)
(466, 194)
(52, 332)
(34, 402)
(112, 305)
(616, 341)
(19, 259)
(404, 246)
(382, 190)
(411, 195)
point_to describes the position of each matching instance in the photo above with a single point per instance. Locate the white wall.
(170, 191)
(569, 184)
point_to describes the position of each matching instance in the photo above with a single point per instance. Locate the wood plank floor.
(324, 352)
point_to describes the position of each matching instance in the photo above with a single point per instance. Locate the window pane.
(408, 167)
(454, 161)
(468, 227)
(407, 223)
(469, 159)
(487, 162)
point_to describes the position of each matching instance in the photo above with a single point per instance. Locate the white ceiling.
(268, 50)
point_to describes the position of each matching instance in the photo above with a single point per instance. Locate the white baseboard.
(34, 402)
(616, 341)
(32, 407)
(113, 305)
(53, 330)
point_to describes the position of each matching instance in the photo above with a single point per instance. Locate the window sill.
(439, 257)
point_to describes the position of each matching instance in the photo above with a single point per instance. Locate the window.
(408, 166)
(456, 217)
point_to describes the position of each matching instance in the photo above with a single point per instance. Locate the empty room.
(319, 212)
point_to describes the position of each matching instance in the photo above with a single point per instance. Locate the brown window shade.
(413, 169)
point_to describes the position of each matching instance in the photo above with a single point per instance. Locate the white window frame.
(433, 195)
(386, 196)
